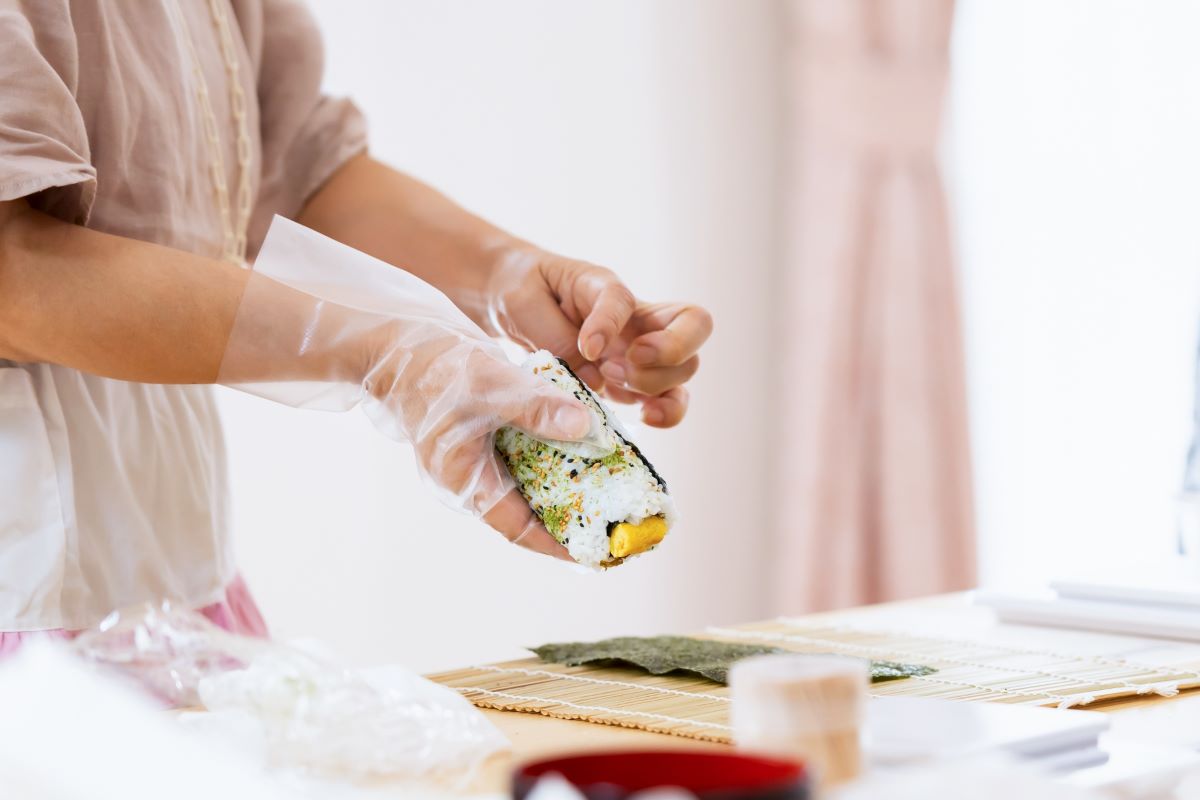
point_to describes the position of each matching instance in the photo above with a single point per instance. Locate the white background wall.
(637, 134)
(1075, 148)
(642, 134)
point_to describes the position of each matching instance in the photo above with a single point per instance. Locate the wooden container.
(804, 707)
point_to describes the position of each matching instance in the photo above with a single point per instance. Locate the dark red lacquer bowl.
(708, 775)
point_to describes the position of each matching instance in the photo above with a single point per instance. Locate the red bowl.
(707, 775)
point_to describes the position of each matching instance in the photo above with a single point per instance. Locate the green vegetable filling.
(555, 518)
(614, 459)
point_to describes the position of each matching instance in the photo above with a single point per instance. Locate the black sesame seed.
(574, 472)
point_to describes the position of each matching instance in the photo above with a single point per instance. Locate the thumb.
(551, 414)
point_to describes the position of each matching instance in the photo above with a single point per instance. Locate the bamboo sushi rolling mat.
(1000, 663)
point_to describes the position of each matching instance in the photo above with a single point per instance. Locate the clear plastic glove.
(631, 350)
(324, 326)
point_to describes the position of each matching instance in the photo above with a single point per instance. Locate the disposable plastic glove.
(632, 350)
(324, 326)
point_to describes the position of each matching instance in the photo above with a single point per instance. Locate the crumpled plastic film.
(304, 712)
(165, 650)
(324, 326)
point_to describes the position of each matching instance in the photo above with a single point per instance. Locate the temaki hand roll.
(604, 504)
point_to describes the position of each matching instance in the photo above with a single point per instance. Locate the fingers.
(686, 329)
(648, 380)
(484, 478)
(606, 305)
(552, 331)
(589, 374)
(495, 393)
(548, 413)
(619, 395)
(513, 517)
(545, 326)
(666, 410)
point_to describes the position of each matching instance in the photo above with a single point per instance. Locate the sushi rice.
(582, 499)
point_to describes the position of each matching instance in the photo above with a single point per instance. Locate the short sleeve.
(306, 135)
(44, 152)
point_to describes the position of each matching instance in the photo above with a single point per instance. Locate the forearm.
(398, 219)
(111, 306)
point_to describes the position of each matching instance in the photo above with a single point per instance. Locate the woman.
(144, 148)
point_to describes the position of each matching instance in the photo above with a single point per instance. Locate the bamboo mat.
(697, 708)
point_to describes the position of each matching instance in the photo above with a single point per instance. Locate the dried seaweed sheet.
(659, 655)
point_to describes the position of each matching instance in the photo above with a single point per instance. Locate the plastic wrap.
(304, 712)
(324, 326)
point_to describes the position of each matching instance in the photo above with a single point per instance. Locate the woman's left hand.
(634, 351)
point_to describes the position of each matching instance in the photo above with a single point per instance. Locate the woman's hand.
(321, 325)
(582, 313)
(634, 351)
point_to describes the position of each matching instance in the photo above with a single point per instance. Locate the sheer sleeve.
(306, 135)
(44, 152)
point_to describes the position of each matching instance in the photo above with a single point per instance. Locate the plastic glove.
(324, 326)
(583, 313)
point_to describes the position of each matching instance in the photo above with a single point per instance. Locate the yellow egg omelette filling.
(628, 539)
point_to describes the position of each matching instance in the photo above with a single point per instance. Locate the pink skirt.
(237, 613)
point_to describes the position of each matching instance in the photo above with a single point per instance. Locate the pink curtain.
(873, 468)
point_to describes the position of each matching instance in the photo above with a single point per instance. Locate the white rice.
(576, 497)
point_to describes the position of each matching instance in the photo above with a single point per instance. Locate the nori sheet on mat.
(660, 655)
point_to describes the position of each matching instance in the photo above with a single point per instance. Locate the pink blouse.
(114, 493)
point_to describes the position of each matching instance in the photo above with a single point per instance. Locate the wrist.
(509, 264)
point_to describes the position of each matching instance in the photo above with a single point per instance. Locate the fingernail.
(613, 372)
(595, 346)
(573, 421)
(654, 416)
(642, 354)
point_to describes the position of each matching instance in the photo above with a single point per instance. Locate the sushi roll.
(605, 503)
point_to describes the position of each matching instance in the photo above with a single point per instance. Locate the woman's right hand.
(448, 396)
(322, 325)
